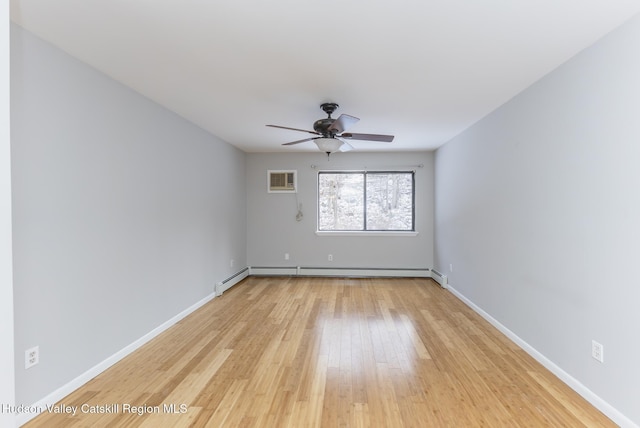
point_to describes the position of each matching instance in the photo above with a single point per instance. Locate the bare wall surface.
(537, 210)
(274, 231)
(124, 214)
(7, 387)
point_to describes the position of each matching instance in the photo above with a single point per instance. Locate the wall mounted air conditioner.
(281, 181)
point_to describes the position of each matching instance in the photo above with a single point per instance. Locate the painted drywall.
(7, 380)
(274, 231)
(538, 208)
(124, 214)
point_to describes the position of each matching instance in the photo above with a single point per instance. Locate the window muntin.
(366, 201)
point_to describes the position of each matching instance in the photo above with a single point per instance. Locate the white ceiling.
(422, 70)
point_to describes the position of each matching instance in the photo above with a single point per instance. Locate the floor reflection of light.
(355, 342)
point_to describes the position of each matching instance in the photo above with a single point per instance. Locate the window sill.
(364, 233)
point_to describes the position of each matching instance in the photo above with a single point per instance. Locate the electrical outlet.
(286, 256)
(450, 267)
(597, 351)
(330, 257)
(31, 357)
(232, 262)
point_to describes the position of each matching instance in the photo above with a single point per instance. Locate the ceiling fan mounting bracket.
(329, 108)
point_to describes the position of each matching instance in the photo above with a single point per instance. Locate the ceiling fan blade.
(299, 141)
(368, 137)
(345, 147)
(294, 129)
(342, 123)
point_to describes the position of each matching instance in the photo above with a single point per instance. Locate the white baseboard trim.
(76, 383)
(341, 272)
(610, 411)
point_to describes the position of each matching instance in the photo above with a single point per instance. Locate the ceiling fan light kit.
(328, 145)
(330, 130)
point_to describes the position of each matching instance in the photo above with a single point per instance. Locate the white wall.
(124, 214)
(538, 210)
(7, 385)
(274, 231)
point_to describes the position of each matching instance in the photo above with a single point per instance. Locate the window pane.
(340, 201)
(389, 201)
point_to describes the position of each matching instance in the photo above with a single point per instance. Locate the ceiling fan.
(330, 132)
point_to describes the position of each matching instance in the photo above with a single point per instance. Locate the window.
(366, 201)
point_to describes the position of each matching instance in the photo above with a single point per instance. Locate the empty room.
(271, 214)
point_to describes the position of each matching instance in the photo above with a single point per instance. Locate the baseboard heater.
(226, 284)
(439, 278)
(340, 272)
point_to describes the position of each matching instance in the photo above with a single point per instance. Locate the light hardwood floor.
(330, 352)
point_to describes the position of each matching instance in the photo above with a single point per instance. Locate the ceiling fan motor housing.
(322, 126)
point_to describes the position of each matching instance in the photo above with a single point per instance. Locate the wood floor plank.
(329, 352)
